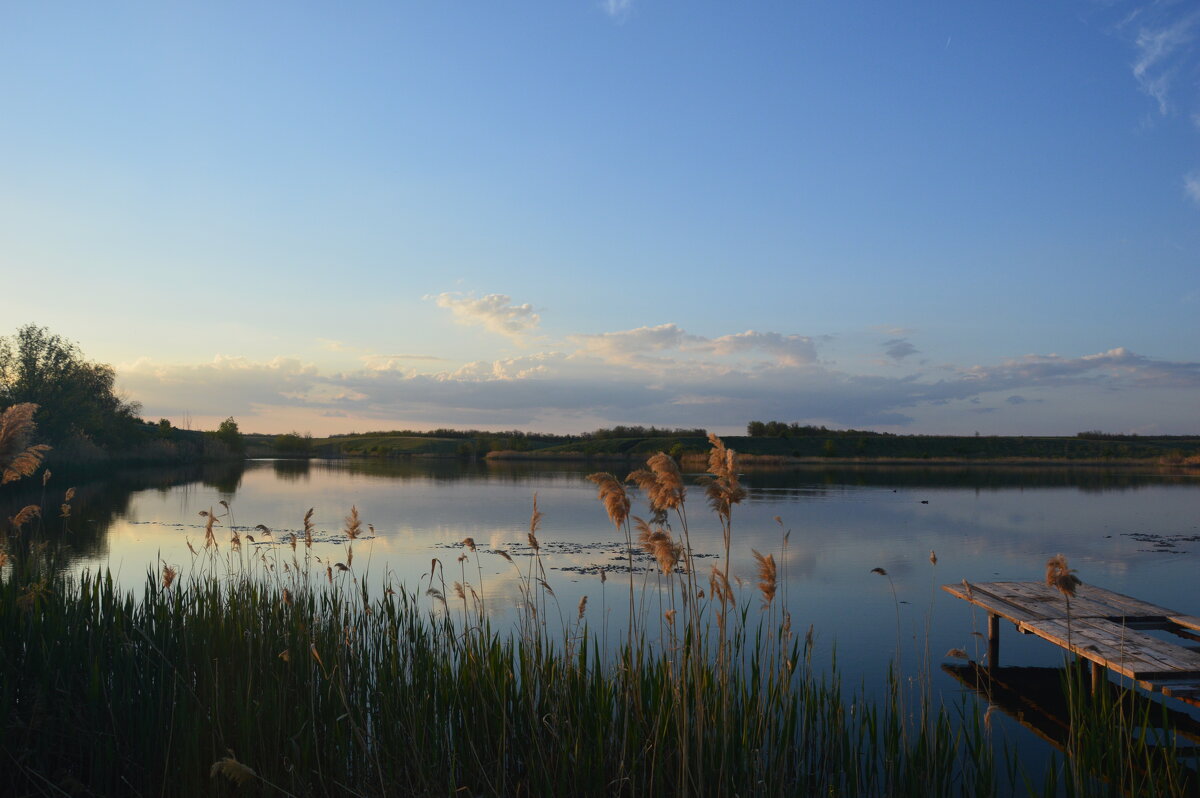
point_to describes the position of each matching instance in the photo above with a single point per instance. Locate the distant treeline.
(1097, 435)
(781, 429)
(446, 432)
(764, 439)
(604, 433)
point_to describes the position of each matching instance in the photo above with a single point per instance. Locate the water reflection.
(1035, 699)
(1091, 478)
(292, 470)
(98, 503)
(1016, 509)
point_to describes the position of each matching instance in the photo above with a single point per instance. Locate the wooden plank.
(1040, 599)
(1180, 661)
(1189, 693)
(992, 603)
(1102, 627)
(1073, 638)
(1186, 621)
(1050, 603)
(993, 640)
(1127, 605)
(1118, 648)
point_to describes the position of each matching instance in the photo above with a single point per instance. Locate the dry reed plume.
(27, 514)
(210, 539)
(353, 523)
(64, 511)
(658, 543)
(17, 458)
(535, 520)
(767, 576)
(722, 487)
(612, 494)
(661, 482)
(232, 769)
(1061, 577)
(718, 586)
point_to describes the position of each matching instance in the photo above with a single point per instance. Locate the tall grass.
(324, 689)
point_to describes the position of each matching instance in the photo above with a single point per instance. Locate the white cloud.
(1163, 46)
(1191, 186)
(617, 9)
(493, 312)
(605, 380)
(221, 387)
(787, 350)
(667, 345)
(631, 346)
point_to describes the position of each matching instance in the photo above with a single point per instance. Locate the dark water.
(1134, 531)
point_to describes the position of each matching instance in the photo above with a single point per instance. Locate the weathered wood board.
(1102, 626)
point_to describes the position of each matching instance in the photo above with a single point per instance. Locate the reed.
(317, 687)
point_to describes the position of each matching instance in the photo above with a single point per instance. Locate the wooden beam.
(993, 640)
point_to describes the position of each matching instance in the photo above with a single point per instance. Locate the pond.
(1136, 531)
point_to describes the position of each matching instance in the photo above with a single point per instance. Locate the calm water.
(1127, 530)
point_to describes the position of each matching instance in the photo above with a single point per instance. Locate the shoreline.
(783, 461)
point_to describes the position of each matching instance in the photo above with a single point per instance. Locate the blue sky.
(920, 217)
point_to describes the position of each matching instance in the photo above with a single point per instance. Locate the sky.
(556, 215)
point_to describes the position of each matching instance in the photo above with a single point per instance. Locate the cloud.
(898, 349)
(719, 382)
(631, 346)
(1163, 48)
(787, 350)
(493, 312)
(223, 386)
(1116, 368)
(667, 345)
(617, 9)
(397, 362)
(1191, 186)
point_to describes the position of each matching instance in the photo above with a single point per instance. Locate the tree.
(76, 398)
(229, 434)
(292, 443)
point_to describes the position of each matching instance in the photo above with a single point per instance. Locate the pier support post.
(1098, 679)
(993, 640)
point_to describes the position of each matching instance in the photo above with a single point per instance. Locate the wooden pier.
(1106, 628)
